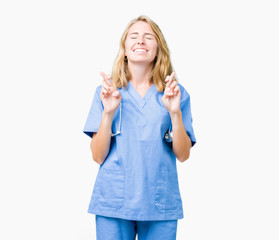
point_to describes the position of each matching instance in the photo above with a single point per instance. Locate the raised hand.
(172, 95)
(110, 96)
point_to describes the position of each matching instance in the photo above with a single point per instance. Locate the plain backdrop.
(226, 55)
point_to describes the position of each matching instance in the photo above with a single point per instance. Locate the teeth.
(140, 50)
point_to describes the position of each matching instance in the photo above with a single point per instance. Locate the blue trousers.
(120, 229)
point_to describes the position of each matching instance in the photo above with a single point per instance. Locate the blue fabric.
(121, 229)
(138, 180)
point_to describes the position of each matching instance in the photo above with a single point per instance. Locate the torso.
(138, 180)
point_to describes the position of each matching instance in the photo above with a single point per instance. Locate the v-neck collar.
(141, 100)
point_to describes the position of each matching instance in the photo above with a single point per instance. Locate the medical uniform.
(138, 180)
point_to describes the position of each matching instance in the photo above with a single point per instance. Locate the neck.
(139, 74)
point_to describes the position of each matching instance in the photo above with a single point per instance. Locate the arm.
(181, 141)
(100, 143)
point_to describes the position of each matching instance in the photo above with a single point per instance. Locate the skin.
(140, 63)
(181, 144)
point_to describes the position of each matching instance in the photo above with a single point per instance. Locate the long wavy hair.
(161, 66)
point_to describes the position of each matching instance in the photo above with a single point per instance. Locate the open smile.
(140, 50)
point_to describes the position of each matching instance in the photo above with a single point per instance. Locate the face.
(141, 44)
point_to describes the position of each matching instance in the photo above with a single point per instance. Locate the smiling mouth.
(140, 50)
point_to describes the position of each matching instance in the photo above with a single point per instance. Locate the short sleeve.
(185, 106)
(94, 117)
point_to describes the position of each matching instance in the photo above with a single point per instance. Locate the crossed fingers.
(172, 88)
(107, 86)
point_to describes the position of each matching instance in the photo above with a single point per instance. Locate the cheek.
(155, 48)
(128, 46)
(125, 47)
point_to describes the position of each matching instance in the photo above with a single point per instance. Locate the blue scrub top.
(138, 180)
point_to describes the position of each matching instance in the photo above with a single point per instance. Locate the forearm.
(100, 143)
(181, 142)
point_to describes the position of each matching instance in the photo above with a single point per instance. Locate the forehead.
(140, 26)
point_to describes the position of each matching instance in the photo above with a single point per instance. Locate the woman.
(140, 123)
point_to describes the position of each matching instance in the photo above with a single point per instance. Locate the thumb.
(116, 93)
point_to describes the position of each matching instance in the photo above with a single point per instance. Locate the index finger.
(108, 82)
(172, 75)
(168, 79)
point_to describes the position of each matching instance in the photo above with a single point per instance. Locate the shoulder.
(97, 93)
(184, 94)
(98, 89)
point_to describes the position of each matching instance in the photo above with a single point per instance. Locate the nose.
(141, 40)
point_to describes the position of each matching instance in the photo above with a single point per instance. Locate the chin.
(142, 61)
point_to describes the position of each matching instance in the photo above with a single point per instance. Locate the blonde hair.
(162, 64)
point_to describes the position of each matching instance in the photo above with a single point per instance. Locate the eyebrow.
(143, 34)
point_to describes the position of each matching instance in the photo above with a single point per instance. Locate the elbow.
(184, 157)
(96, 156)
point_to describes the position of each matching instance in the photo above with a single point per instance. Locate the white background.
(226, 55)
